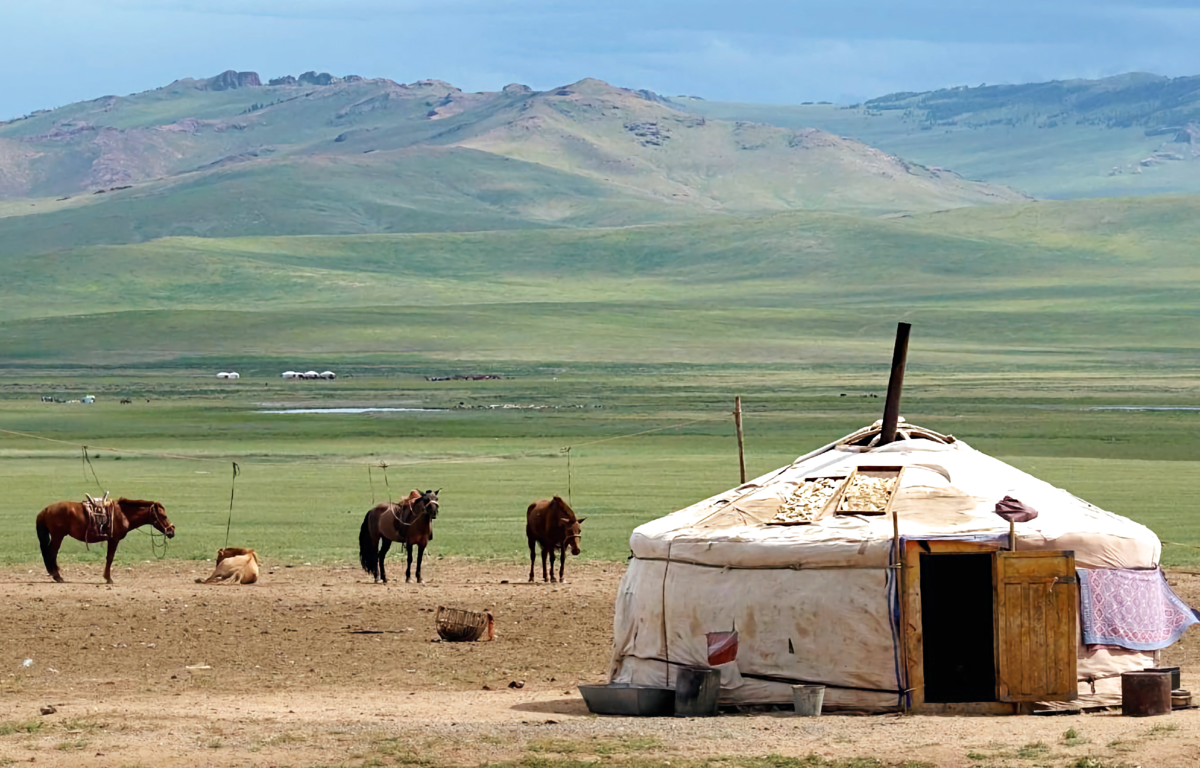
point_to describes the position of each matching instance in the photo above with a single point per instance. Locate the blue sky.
(749, 50)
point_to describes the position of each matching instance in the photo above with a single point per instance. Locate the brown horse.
(551, 523)
(409, 522)
(68, 518)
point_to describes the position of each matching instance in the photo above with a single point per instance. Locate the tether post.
(236, 471)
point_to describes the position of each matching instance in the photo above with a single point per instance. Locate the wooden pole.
(901, 598)
(737, 420)
(1012, 536)
(891, 407)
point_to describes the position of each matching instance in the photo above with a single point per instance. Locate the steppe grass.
(643, 442)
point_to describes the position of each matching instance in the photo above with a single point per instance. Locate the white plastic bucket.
(807, 699)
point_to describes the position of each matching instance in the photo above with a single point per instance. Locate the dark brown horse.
(409, 522)
(68, 518)
(551, 523)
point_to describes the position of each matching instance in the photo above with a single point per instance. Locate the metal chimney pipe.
(891, 408)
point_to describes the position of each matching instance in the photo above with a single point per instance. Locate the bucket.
(696, 691)
(807, 699)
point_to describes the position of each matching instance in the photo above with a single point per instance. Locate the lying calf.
(237, 563)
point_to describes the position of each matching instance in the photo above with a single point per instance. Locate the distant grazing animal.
(68, 518)
(551, 523)
(409, 522)
(237, 563)
(126, 401)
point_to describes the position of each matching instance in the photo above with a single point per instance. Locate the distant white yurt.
(235, 375)
(290, 375)
(883, 572)
(328, 375)
(310, 375)
(222, 375)
(88, 399)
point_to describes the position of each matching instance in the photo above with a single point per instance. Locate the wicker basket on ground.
(460, 626)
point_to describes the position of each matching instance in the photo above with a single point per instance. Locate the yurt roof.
(947, 490)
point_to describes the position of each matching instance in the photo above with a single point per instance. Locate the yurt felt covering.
(818, 603)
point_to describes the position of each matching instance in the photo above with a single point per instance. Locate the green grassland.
(1045, 286)
(644, 441)
(634, 342)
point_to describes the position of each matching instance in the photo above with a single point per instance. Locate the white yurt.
(885, 573)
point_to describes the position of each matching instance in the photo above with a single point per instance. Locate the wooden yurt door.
(1036, 599)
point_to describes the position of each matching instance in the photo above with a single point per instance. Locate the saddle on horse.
(100, 514)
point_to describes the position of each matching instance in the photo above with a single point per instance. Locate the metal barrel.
(1174, 674)
(1145, 693)
(697, 690)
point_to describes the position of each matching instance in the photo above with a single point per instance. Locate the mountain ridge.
(1130, 134)
(634, 144)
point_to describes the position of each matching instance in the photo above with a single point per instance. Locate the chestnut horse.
(409, 522)
(68, 518)
(551, 523)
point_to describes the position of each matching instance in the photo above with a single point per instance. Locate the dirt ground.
(317, 666)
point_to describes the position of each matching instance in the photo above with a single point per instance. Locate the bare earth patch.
(317, 666)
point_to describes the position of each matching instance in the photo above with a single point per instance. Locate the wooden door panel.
(1036, 599)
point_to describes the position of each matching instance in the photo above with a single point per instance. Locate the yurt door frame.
(1033, 601)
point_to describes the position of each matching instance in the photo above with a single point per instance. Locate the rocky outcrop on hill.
(230, 79)
(318, 78)
(652, 96)
(516, 89)
(285, 80)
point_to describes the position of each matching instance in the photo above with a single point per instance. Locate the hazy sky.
(782, 51)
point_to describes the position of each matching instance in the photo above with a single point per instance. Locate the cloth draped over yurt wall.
(819, 602)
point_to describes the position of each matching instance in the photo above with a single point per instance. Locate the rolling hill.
(1085, 286)
(1133, 134)
(321, 155)
(362, 219)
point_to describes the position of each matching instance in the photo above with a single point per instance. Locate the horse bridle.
(425, 501)
(158, 518)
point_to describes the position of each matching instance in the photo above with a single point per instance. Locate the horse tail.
(367, 555)
(43, 534)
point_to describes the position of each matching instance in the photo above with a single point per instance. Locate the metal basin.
(628, 700)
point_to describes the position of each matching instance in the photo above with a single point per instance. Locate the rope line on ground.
(349, 463)
(649, 431)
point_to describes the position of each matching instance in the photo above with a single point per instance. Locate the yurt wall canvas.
(825, 602)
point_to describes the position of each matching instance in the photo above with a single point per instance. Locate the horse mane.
(137, 503)
(563, 506)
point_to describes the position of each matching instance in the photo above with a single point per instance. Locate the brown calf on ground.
(551, 523)
(237, 563)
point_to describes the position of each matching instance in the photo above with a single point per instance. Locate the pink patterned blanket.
(1131, 609)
